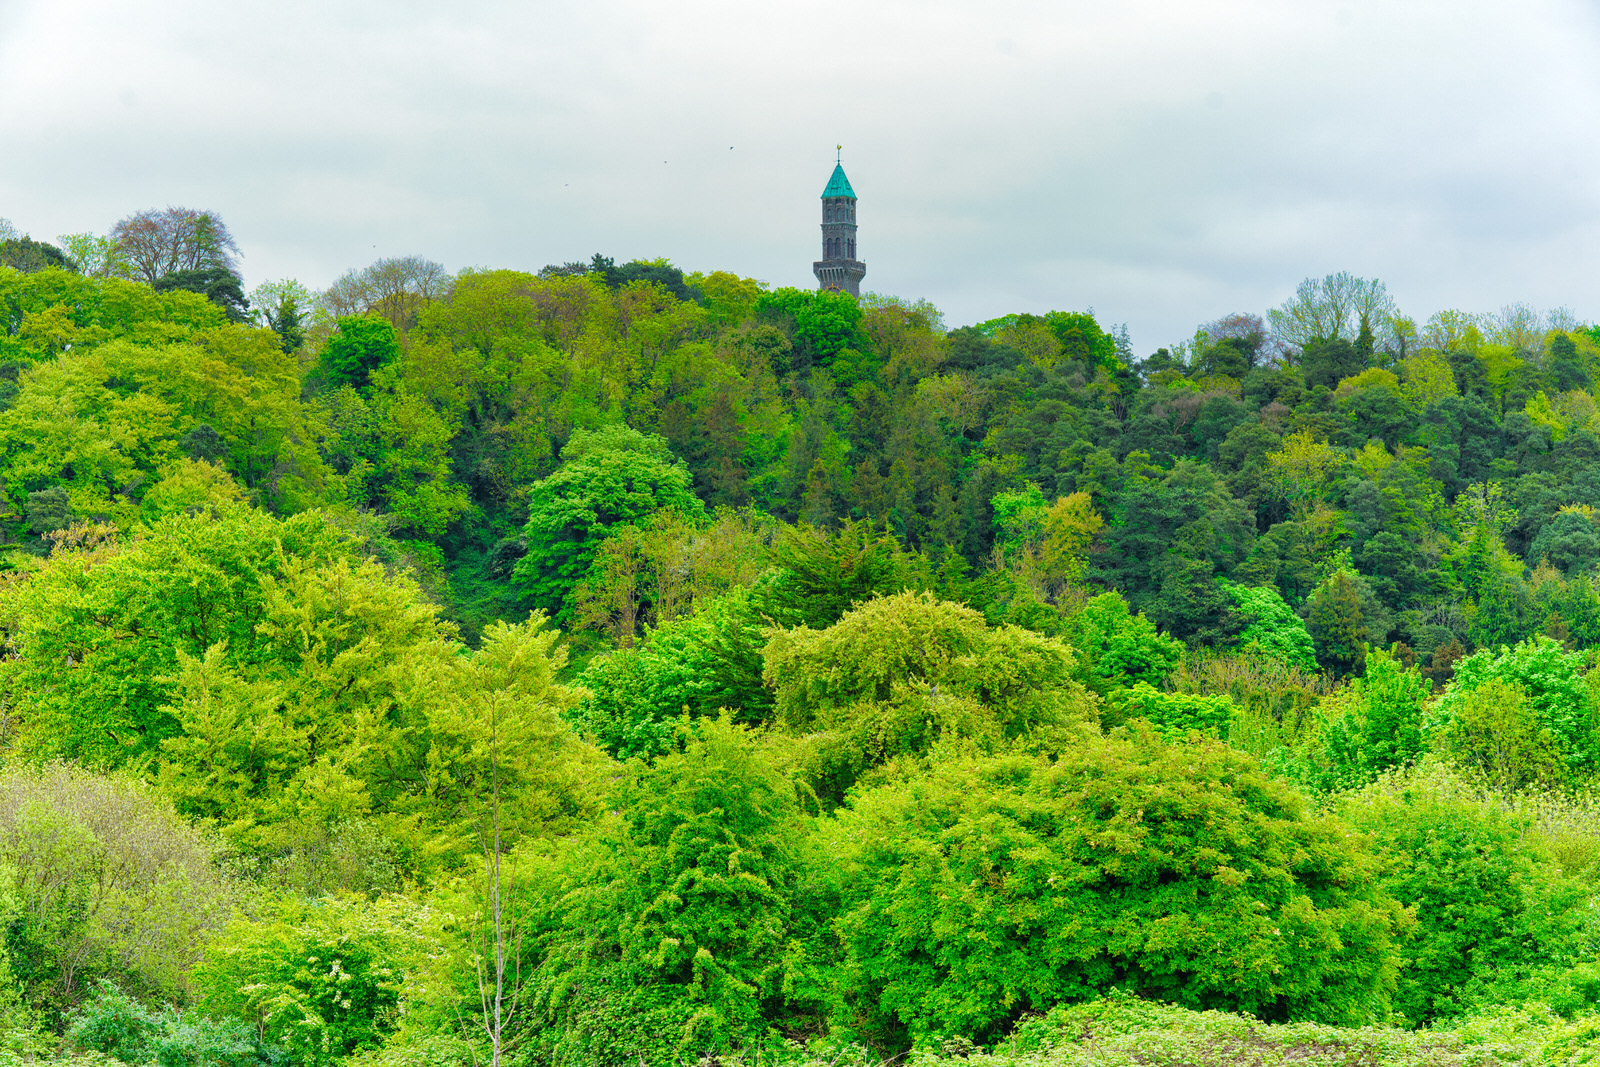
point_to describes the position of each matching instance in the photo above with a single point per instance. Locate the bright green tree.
(992, 887)
(1550, 680)
(107, 422)
(672, 928)
(276, 682)
(1271, 626)
(822, 324)
(1494, 923)
(360, 346)
(898, 674)
(1173, 715)
(364, 713)
(393, 449)
(320, 981)
(1118, 648)
(43, 311)
(609, 477)
(636, 699)
(1374, 725)
(99, 629)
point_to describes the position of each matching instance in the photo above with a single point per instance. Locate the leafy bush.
(1172, 714)
(669, 929)
(320, 980)
(115, 1025)
(1124, 1031)
(898, 673)
(998, 886)
(1272, 627)
(103, 879)
(1118, 648)
(636, 698)
(1374, 725)
(1558, 704)
(1496, 923)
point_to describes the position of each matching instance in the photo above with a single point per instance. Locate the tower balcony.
(842, 274)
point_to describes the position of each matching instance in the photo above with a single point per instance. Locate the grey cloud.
(1164, 162)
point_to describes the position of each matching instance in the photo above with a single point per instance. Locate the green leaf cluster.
(1545, 695)
(609, 478)
(669, 929)
(899, 674)
(996, 887)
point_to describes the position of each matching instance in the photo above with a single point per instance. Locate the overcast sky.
(1165, 162)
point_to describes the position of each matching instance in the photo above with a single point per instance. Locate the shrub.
(900, 673)
(1374, 725)
(1558, 704)
(1172, 714)
(105, 880)
(320, 980)
(114, 1024)
(1119, 648)
(1276, 701)
(1496, 923)
(669, 929)
(998, 886)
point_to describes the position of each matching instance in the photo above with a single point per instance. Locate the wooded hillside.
(698, 669)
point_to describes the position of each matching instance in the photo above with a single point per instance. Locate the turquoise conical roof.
(838, 185)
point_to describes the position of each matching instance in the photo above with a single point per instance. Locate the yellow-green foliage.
(1564, 829)
(45, 312)
(96, 631)
(1496, 922)
(1172, 714)
(363, 711)
(99, 877)
(319, 980)
(1123, 1031)
(899, 673)
(675, 927)
(275, 682)
(1567, 413)
(103, 422)
(1373, 379)
(1275, 701)
(992, 887)
(1426, 377)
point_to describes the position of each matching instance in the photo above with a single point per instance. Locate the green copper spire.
(839, 270)
(838, 185)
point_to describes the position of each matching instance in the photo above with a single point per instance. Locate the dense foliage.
(915, 689)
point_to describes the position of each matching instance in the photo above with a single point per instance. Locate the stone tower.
(839, 268)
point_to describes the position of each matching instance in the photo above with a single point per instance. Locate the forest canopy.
(611, 664)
